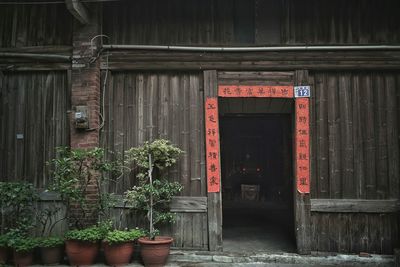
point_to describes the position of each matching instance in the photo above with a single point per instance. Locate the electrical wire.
(104, 95)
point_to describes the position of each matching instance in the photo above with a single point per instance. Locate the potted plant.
(82, 246)
(119, 246)
(75, 171)
(51, 249)
(51, 246)
(23, 247)
(153, 195)
(17, 208)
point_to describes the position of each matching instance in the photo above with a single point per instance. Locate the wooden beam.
(78, 10)
(214, 199)
(49, 196)
(31, 66)
(189, 204)
(355, 205)
(302, 200)
(178, 204)
(168, 60)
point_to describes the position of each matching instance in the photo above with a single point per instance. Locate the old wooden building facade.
(146, 69)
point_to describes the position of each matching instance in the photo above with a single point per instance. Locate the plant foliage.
(50, 242)
(16, 205)
(118, 236)
(92, 234)
(74, 171)
(4, 239)
(23, 244)
(154, 192)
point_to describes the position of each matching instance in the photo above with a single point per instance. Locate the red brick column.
(85, 91)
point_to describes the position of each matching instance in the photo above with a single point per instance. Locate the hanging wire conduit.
(251, 48)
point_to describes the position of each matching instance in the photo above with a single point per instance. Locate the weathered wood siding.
(355, 128)
(355, 158)
(35, 25)
(341, 22)
(146, 106)
(33, 104)
(238, 22)
(354, 232)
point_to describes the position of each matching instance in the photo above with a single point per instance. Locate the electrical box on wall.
(81, 117)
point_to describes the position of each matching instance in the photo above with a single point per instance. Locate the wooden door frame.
(214, 197)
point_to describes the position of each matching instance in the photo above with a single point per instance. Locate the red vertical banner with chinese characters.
(212, 145)
(302, 145)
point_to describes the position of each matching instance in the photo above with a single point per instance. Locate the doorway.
(257, 182)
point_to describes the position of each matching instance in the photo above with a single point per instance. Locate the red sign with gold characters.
(255, 91)
(212, 145)
(302, 145)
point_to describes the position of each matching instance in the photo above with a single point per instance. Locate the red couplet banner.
(255, 91)
(212, 145)
(302, 145)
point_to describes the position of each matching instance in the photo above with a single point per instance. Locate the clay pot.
(155, 252)
(118, 254)
(81, 253)
(51, 255)
(23, 258)
(3, 255)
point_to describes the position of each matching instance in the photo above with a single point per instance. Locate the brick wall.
(85, 91)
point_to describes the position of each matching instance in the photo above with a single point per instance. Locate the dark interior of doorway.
(257, 196)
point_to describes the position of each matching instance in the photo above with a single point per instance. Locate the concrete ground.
(215, 259)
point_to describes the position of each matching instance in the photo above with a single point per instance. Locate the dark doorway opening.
(257, 183)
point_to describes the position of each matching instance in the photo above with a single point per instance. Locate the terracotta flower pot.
(118, 254)
(155, 252)
(51, 255)
(81, 253)
(23, 258)
(3, 255)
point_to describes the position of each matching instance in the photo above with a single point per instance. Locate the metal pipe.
(36, 56)
(251, 48)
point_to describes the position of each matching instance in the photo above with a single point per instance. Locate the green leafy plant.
(77, 170)
(154, 192)
(50, 242)
(119, 236)
(17, 205)
(24, 244)
(91, 234)
(4, 239)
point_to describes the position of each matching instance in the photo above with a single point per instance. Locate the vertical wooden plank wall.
(34, 105)
(35, 25)
(259, 22)
(356, 158)
(146, 106)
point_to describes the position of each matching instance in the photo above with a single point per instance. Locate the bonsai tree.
(154, 191)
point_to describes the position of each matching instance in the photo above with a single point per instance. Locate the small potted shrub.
(17, 209)
(23, 247)
(82, 246)
(119, 246)
(51, 249)
(153, 194)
